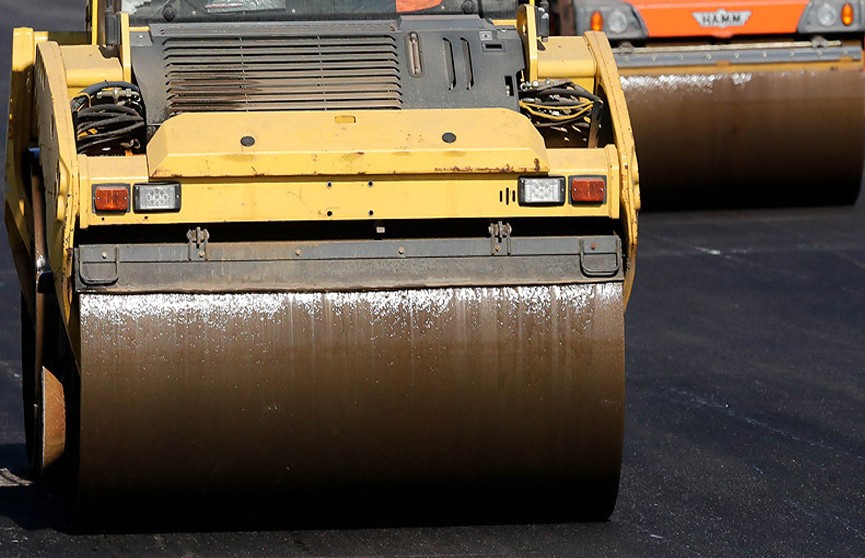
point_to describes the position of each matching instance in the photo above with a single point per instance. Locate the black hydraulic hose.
(84, 96)
(102, 120)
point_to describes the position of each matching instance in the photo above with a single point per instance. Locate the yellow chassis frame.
(360, 165)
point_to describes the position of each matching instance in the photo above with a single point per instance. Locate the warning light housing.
(542, 190)
(111, 198)
(847, 14)
(597, 21)
(588, 189)
(157, 197)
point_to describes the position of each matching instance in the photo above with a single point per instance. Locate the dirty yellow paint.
(350, 143)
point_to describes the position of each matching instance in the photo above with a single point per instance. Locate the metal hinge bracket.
(500, 235)
(197, 238)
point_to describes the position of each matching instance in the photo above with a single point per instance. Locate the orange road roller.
(739, 103)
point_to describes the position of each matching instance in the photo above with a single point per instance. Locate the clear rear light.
(156, 197)
(543, 190)
(827, 14)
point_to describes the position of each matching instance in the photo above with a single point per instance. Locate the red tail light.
(588, 189)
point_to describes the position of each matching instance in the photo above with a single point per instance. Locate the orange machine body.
(738, 102)
(723, 20)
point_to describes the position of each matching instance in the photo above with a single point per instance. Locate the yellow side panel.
(19, 134)
(23, 48)
(567, 58)
(128, 169)
(59, 164)
(351, 143)
(491, 197)
(528, 30)
(85, 65)
(125, 47)
(608, 79)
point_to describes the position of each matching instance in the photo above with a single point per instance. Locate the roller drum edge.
(745, 138)
(297, 393)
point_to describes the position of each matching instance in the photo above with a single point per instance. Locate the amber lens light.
(111, 197)
(847, 14)
(597, 21)
(588, 189)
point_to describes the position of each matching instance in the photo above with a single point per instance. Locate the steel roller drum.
(740, 138)
(293, 393)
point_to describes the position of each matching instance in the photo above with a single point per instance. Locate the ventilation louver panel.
(261, 73)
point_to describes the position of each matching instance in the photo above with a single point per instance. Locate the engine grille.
(262, 73)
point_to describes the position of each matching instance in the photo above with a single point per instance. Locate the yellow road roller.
(739, 102)
(284, 248)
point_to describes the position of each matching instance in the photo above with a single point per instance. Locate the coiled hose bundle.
(109, 119)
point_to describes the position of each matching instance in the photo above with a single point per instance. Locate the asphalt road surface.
(745, 411)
